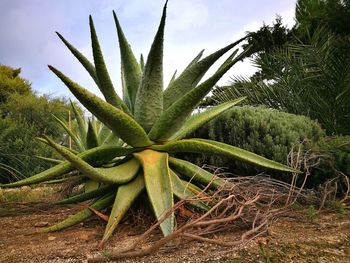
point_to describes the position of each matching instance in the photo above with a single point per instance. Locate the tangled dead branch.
(245, 204)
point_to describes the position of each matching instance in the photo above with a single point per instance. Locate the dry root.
(246, 205)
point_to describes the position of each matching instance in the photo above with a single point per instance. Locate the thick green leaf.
(48, 174)
(103, 134)
(174, 117)
(142, 63)
(46, 142)
(113, 139)
(194, 188)
(50, 160)
(70, 133)
(197, 120)
(123, 172)
(191, 76)
(195, 59)
(195, 173)
(82, 215)
(131, 70)
(125, 197)
(87, 196)
(118, 121)
(158, 186)
(172, 78)
(91, 185)
(90, 68)
(228, 60)
(212, 147)
(82, 125)
(91, 137)
(105, 82)
(95, 156)
(116, 175)
(149, 98)
(182, 191)
(73, 180)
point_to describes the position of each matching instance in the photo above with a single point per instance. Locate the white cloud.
(187, 15)
(191, 26)
(246, 68)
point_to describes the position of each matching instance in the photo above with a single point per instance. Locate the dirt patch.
(293, 238)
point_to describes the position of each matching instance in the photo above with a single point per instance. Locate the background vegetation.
(304, 70)
(23, 116)
(264, 131)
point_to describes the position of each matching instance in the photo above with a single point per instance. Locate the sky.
(28, 39)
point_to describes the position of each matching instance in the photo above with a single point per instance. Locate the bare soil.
(293, 238)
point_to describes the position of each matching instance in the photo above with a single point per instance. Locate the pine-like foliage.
(311, 80)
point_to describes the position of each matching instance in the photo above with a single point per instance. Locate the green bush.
(329, 158)
(266, 132)
(23, 116)
(18, 149)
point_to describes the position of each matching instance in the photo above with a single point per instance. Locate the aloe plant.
(152, 123)
(86, 134)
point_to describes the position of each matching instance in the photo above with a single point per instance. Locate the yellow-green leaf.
(158, 186)
(126, 195)
(120, 174)
(91, 137)
(182, 191)
(82, 215)
(95, 156)
(211, 147)
(195, 173)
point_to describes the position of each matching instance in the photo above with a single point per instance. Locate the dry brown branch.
(244, 204)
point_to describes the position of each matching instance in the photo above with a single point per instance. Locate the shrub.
(23, 116)
(266, 132)
(18, 149)
(329, 158)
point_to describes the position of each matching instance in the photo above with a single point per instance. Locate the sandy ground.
(294, 238)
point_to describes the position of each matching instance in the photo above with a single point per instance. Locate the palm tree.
(314, 81)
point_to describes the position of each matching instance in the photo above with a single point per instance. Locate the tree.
(307, 75)
(10, 83)
(333, 15)
(24, 116)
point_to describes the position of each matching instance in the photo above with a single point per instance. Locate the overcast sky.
(28, 39)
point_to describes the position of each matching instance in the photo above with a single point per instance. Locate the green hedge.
(266, 132)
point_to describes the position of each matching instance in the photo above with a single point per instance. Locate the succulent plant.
(85, 134)
(152, 123)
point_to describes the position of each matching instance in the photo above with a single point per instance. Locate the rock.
(41, 224)
(84, 237)
(50, 238)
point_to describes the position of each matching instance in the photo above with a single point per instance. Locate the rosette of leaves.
(85, 135)
(151, 121)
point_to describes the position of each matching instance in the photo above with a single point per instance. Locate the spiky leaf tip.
(149, 98)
